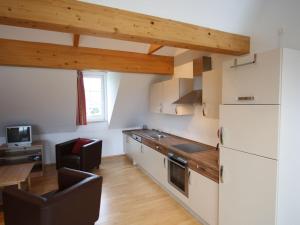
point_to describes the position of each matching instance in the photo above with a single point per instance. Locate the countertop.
(204, 162)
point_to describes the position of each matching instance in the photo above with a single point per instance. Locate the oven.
(178, 175)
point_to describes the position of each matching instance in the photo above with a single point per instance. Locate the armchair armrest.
(69, 177)
(20, 206)
(90, 155)
(63, 149)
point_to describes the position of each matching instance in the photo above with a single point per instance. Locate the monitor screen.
(18, 134)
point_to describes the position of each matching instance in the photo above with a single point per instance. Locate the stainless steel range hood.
(195, 96)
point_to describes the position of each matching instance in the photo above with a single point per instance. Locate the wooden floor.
(129, 197)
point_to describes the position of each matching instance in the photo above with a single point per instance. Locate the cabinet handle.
(221, 174)
(161, 108)
(246, 98)
(203, 109)
(235, 64)
(157, 147)
(221, 135)
(164, 162)
(176, 110)
(189, 177)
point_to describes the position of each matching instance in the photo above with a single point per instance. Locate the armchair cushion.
(71, 161)
(79, 143)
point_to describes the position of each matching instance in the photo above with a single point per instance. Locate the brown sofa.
(77, 202)
(88, 158)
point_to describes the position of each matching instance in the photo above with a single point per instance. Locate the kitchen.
(198, 109)
(251, 134)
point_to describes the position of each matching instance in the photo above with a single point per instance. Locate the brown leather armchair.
(88, 158)
(77, 202)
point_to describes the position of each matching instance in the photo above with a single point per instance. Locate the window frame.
(101, 75)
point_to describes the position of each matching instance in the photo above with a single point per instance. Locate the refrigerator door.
(247, 191)
(250, 128)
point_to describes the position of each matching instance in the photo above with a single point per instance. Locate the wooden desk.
(15, 174)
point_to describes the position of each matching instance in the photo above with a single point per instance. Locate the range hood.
(193, 97)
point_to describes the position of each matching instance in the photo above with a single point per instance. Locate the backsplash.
(196, 127)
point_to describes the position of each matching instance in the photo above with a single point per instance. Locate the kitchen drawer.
(155, 146)
(256, 83)
(204, 170)
(250, 128)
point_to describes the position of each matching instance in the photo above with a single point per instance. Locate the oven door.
(178, 176)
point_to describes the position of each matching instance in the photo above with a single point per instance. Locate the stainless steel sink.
(191, 148)
(154, 134)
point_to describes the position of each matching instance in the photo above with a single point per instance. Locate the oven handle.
(183, 167)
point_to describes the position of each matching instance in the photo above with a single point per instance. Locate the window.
(95, 96)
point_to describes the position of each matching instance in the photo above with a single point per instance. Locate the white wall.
(289, 154)
(44, 98)
(276, 26)
(131, 104)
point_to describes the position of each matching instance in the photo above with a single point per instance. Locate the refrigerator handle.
(221, 135)
(221, 174)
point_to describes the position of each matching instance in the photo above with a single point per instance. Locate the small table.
(15, 174)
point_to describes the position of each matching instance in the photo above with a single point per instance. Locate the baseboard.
(113, 156)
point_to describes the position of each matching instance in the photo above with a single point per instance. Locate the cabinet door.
(204, 197)
(248, 191)
(250, 128)
(125, 144)
(156, 98)
(155, 164)
(170, 95)
(212, 93)
(134, 150)
(260, 80)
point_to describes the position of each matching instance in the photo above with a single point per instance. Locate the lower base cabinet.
(203, 192)
(203, 197)
(155, 164)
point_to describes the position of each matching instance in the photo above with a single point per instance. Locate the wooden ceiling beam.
(77, 17)
(76, 38)
(32, 54)
(153, 48)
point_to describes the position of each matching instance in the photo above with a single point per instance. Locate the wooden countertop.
(204, 162)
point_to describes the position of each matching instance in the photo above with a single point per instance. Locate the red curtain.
(81, 106)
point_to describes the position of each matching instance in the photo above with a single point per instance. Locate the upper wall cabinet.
(156, 97)
(164, 94)
(211, 93)
(192, 67)
(254, 79)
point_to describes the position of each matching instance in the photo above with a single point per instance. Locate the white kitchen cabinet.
(155, 164)
(187, 67)
(211, 92)
(256, 83)
(260, 186)
(164, 94)
(133, 149)
(251, 128)
(126, 144)
(156, 97)
(248, 191)
(204, 197)
(172, 91)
